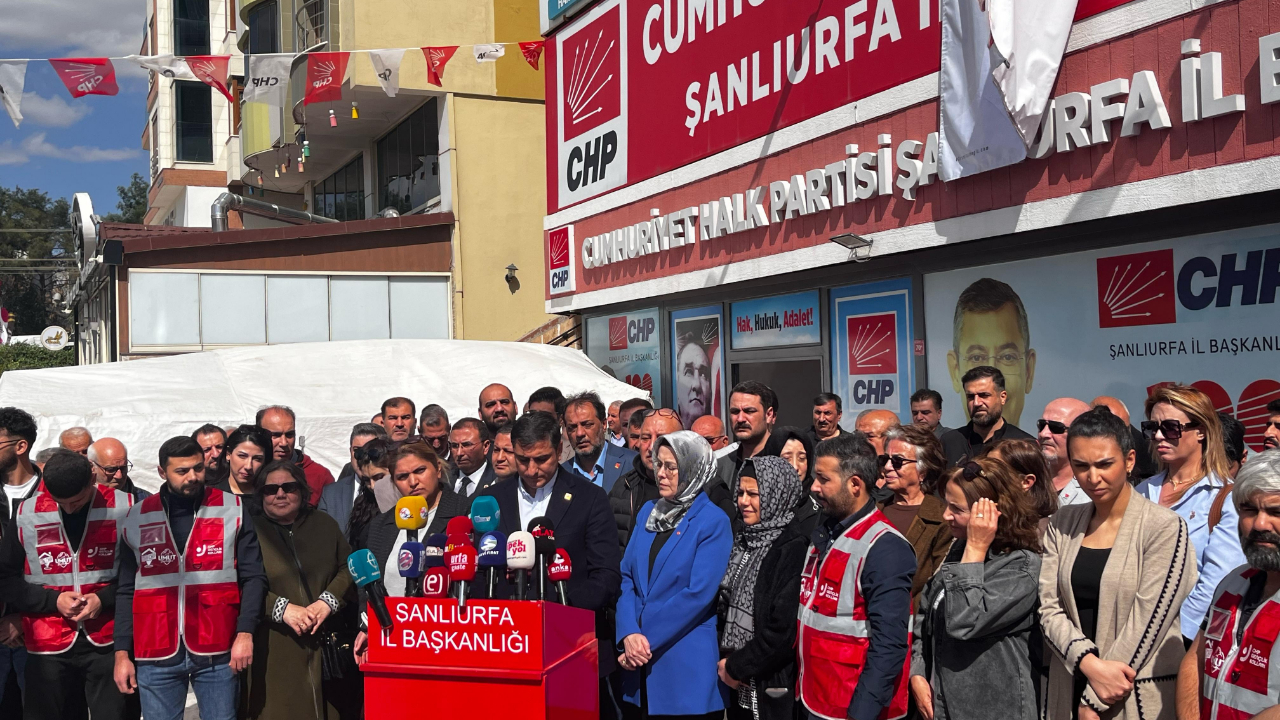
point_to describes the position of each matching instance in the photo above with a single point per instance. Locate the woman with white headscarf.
(671, 572)
(760, 594)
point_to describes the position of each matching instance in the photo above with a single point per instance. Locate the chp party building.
(750, 191)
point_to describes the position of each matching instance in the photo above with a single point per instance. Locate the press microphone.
(492, 555)
(559, 572)
(364, 570)
(485, 514)
(410, 562)
(462, 570)
(520, 558)
(544, 544)
(435, 581)
(411, 515)
(433, 557)
(460, 525)
(455, 541)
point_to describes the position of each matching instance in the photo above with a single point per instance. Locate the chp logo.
(873, 357)
(624, 330)
(1136, 289)
(591, 95)
(561, 276)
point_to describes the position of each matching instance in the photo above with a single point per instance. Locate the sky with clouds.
(67, 145)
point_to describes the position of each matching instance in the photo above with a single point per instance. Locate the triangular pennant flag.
(212, 71)
(169, 66)
(437, 57)
(386, 65)
(325, 73)
(86, 76)
(532, 51)
(488, 52)
(268, 79)
(13, 77)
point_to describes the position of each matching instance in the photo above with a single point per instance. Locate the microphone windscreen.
(435, 582)
(485, 514)
(493, 550)
(462, 564)
(456, 541)
(520, 551)
(364, 567)
(561, 568)
(411, 513)
(434, 551)
(541, 525)
(410, 559)
(460, 525)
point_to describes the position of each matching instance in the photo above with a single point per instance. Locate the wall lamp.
(511, 272)
(855, 243)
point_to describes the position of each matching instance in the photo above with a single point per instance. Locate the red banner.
(212, 71)
(532, 52)
(86, 76)
(437, 57)
(325, 72)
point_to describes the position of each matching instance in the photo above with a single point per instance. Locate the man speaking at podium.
(579, 513)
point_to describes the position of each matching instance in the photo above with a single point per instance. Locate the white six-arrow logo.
(585, 82)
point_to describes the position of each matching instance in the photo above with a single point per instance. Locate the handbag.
(337, 637)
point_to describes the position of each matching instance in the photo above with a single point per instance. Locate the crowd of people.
(1092, 569)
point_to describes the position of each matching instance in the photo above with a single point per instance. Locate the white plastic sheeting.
(330, 385)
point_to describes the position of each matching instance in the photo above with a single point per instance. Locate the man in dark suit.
(469, 444)
(336, 500)
(583, 524)
(595, 458)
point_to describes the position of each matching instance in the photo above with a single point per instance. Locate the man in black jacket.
(20, 480)
(638, 486)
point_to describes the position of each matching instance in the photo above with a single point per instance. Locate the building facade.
(762, 202)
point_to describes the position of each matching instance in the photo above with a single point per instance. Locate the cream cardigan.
(1150, 571)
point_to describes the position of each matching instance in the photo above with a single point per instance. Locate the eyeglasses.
(1006, 359)
(897, 460)
(660, 412)
(1054, 426)
(293, 487)
(128, 465)
(713, 439)
(1170, 429)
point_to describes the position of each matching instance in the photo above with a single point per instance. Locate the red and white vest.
(52, 564)
(833, 638)
(192, 594)
(1240, 681)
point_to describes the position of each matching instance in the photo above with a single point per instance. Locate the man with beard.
(1052, 425)
(1271, 435)
(693, 381)
(854, 534)
(639, 485)
(222, 568)
(1231, 671)
(111, 466)
(990, 328)
(400, 418)
(985, 397)
(593, 457)
(282, 424)
(213, 440)
(497, 406)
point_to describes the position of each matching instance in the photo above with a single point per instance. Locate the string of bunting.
(267, 75)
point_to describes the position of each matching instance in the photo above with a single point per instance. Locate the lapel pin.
(568, 497)
(617, 466)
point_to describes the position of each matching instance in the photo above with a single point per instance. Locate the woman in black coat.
(760, 593)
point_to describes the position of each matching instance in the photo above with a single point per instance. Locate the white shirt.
(532, 506)
(725, 450)
(391, 578)
(475, 481)
(617, 440)
(16, 493)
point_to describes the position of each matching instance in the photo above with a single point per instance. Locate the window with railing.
(341, 195)
(190, 27)
(264, 29)
(193, 121)
(409, 162)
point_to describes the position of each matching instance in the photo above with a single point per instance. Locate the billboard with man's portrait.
(697, 368)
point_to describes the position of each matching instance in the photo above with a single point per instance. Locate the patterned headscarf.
(697, 466)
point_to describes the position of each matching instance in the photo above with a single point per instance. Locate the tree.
(133, 201)
(30, 271)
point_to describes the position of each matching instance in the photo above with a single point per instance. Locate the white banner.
(975, 133)
(386, 65)
(169, 66)
(1030, 38)
(13, 77)
(267, 79)
(488, 52)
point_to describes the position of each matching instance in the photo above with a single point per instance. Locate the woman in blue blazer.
(671, 572)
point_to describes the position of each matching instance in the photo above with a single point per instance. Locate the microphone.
(411, 515)
(460, 525)
(544, 544)
(520, 558)
(455, 541)
(435, 581)
(485, 514)
(410, 562)
(433, 556)
(493, 555)
(559, 572)
(462, 570)
(364, 570)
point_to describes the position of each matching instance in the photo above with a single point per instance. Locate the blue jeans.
(162, 686)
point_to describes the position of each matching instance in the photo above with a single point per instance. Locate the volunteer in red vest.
(58, 564)
(192, 589)
(1232, 672)
(854, 636)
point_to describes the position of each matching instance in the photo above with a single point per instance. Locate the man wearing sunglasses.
(111, 467)
(1052, 436)
(282, 424)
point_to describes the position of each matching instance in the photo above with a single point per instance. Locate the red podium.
(493, 658)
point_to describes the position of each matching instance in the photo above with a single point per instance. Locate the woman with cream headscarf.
(671, 572)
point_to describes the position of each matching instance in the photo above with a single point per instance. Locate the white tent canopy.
(331, 386)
